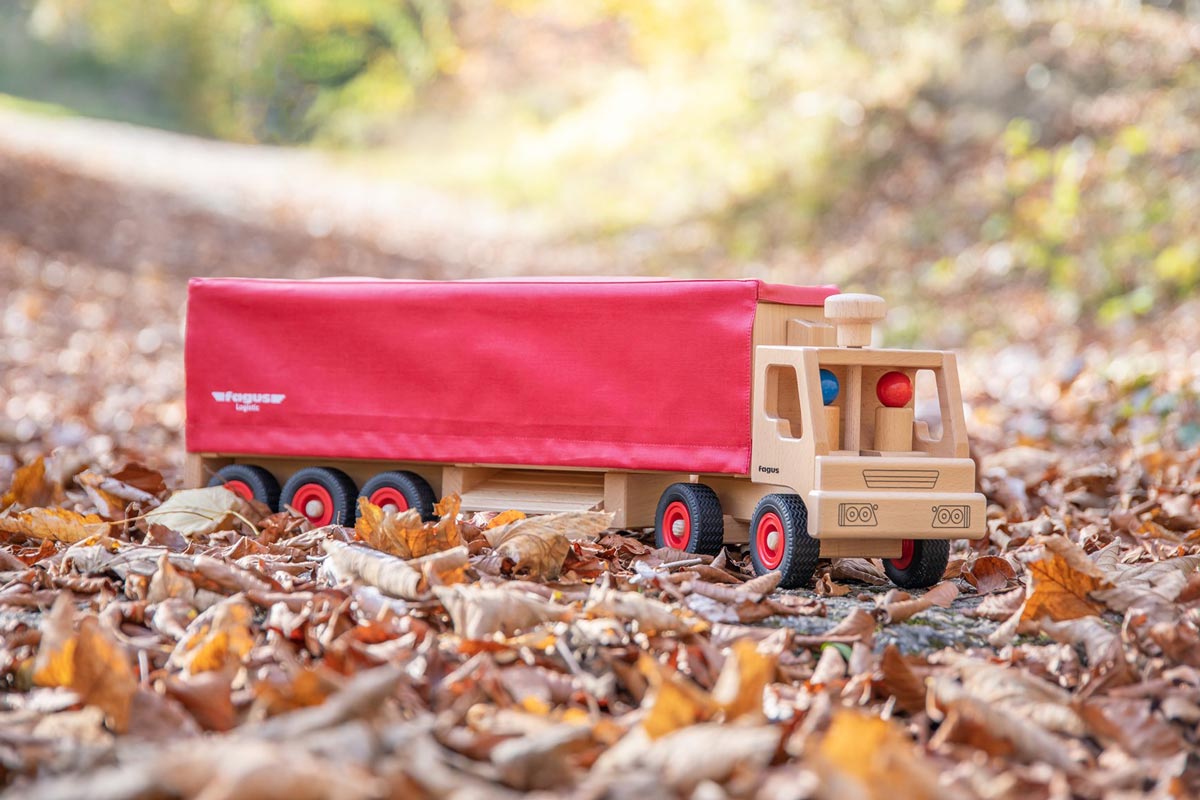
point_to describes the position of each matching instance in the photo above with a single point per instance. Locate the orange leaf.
(505, 517)
(403, 534)
(30, 487)
(56, 524)
(55, 661)
(875, 758)
(1061, 583)
(103, 676)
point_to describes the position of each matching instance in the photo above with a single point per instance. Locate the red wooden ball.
(894, 390)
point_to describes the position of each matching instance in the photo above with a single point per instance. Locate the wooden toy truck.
(714, 410)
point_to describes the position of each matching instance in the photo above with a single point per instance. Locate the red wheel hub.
(906, 555)
(240, 488)
(314, 502)
(676, 518)
(389, 496)
(768, 540)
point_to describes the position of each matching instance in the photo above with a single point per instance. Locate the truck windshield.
(883, 410)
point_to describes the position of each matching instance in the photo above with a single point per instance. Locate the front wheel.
(779, 540)
(921, 564)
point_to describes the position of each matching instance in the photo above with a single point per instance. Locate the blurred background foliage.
(926, 150)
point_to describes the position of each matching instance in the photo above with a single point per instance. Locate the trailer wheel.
(401, 490)
(689, 518)
(324, 495)
(921, 564)
(249, 481)
(779, 540)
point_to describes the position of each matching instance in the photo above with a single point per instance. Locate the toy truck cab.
(834, 429)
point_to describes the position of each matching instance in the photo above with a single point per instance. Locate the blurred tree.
(266, 70)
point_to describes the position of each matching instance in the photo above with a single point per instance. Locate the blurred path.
(132, 197)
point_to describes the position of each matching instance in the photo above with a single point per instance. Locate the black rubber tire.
(800, 551)
(339, 485)
(707, 534)
(261, 483)
(416, 490)
(926, 568)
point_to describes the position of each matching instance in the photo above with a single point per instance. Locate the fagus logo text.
(248, 401)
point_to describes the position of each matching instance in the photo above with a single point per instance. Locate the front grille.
(900, 478)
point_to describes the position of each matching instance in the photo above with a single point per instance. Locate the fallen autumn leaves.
(191, 645)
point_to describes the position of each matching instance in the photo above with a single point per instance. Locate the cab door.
(787, 433)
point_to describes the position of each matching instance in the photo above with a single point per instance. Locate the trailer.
(713, 410)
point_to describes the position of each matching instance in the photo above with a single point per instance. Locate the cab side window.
(783, 401)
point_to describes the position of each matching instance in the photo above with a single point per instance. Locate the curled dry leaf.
(407, 580)
(827, 588)
(651, 616)
(861, 570)
(536, 547)
(53, 524)
(403, 534)
(198, 512)
(941, 595)
(989, 574)
(480, 612)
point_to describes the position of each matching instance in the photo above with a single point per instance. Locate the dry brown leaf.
(900, 682)
(673, 701)
(403, 534)
(408, 580)
(864, 756)
(53, 524)
(197, 512)
(505, 517)
(1061, 583)
(861, 570)
(55, 661)
(744, 676)
(142, 478)
(532, 548)
(222, 636)
(825, 587)
(941, 595)
(479, 612)
(103, 676)
(572, 525)
(168, 583)
(989, 574)
(652, 616)
(30, 488)
(1134, 725)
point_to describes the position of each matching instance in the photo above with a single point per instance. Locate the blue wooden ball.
(829, 387)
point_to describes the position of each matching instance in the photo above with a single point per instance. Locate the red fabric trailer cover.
(633, 374)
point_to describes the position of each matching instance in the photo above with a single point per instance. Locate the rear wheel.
(250, 482)
(400, 491)
(779, 540)
(323, 495)
(922, 563)
(689, 518)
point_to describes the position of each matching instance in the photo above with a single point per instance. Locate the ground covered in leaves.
(167, 644)
(189, 644)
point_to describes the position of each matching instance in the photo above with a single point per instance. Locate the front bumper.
(899, 515)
